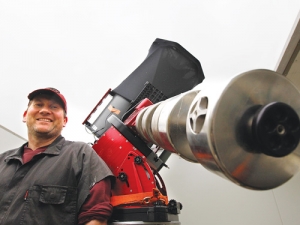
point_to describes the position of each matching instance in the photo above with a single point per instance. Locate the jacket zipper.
(26, 195)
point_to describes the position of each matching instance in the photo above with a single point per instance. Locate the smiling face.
(45, 117)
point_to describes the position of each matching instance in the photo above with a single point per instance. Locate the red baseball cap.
(49, 91)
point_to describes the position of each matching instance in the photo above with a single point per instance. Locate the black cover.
(168, 67)
(145, 214)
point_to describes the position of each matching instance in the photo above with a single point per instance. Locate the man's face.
(45, 117)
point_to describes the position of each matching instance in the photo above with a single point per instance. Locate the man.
(50, 180)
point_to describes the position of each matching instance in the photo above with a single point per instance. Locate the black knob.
(276, 129)
(174, 207)
(273, 129)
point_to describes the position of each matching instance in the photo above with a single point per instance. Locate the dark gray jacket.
(51, 188)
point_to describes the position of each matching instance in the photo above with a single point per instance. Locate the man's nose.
(45, 110)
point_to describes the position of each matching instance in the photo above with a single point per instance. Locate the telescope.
(245, 130)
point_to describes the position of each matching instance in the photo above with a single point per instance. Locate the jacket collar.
(53, 149)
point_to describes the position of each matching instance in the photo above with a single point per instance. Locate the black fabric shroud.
(168, 67)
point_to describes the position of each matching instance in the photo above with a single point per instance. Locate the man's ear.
(65, 121)
(24, 116)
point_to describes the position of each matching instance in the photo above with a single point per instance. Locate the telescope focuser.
(272, 129)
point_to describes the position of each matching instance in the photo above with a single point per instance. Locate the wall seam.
(277, 208)
(13, 133)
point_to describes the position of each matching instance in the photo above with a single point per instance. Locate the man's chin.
(46, 134)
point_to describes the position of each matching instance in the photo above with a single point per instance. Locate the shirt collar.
(53, 149)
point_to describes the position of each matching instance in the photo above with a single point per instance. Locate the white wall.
(85, 47)
(9, 139)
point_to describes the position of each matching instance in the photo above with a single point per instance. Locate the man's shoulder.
(78, 146)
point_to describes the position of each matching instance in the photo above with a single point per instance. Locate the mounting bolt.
(138, 160)
(122, 176)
